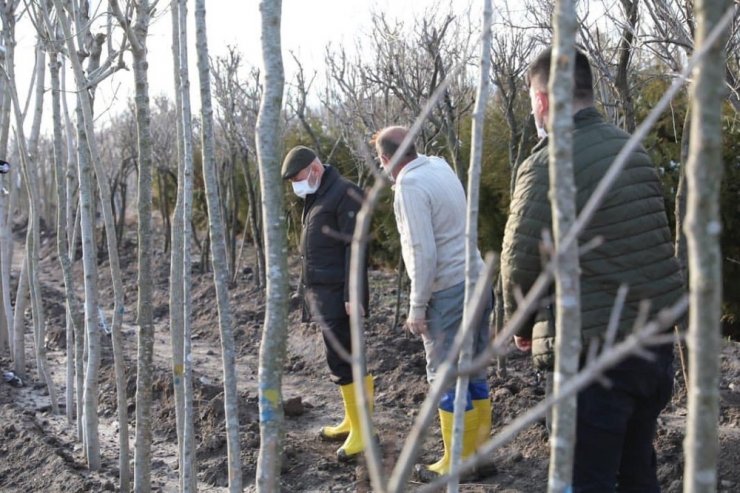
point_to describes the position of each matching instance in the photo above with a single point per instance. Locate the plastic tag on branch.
(12, 379)
(102, 322)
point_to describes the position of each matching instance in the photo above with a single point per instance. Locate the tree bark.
(91, 377)
(703, 227)
(274, 335)
(76, 320)
(563, 198)
(188, 474)
(472, 256)
(142, 454)
(32, 239)
(176, 253)
(218, 251)
(136, 34)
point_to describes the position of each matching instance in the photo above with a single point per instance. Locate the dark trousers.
(616, 426)
(340, 369)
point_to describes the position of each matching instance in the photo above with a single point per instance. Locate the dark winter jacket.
(328, 223)
(637, 248)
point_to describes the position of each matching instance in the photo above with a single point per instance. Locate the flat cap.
(297, 158)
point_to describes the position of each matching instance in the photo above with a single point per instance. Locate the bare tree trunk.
(91, 377)
(563, 197)
(218, 250)
(37, 91)
(254, 224)
(7, 58)
(90, 270)
(680, 242)
(88, 379)
(137, 35)
(272, 348)
(76, 319)
(75, 345)
(621, 81)
(176, 253)
(680, 205)
(703, 226)
(472, 256)
(19, 323)
(188, 477)
(32, 243)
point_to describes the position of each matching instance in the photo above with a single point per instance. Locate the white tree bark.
(74, 348)
(137, 37)
(218, 250)
(471, 236)
(88, 379)
(176, 253)
(7, 38)
(19, 323)
(272, 348)
(567, 284)
(188, 478)
(91, 308)
(75, 312)
(32, 240)
(703, 226)
(7, 15)
(37, 94)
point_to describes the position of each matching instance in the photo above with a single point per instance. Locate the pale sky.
(307, 26)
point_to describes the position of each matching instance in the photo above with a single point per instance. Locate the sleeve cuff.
(417, 312)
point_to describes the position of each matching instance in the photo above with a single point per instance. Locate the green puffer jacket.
(637, 248)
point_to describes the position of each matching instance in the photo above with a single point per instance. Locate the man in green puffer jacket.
(615, 426)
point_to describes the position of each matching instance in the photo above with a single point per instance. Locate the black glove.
(4, 166)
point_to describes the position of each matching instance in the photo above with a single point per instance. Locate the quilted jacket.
(328, 223)
(637, 248)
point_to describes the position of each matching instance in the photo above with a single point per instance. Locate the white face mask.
(541, 132)
(304, 187)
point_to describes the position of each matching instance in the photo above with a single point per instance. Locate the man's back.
(637, 248)
(430, 210)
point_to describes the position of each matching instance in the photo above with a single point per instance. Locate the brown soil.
(39, 451)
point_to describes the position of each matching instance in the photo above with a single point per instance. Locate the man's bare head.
(387, 142)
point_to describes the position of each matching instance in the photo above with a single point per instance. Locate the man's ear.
(543, 102)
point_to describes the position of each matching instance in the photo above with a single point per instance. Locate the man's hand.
(417, 326)
(523, 344)
(347, 307)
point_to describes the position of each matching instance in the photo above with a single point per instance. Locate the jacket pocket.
(543, 340)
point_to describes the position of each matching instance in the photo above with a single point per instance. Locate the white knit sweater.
(429, 206)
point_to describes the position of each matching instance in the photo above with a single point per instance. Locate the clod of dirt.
(294, 407)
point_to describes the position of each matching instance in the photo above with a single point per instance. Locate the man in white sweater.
(429, 205)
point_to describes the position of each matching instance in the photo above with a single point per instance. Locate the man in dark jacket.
(615, 426)
(331, 204)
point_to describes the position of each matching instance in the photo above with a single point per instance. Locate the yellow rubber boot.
(338, 432)
(355, 442)
(484, 409)
(470, 436)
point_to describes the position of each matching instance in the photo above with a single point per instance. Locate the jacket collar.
(582, 118)
(420, 160)
(327, 179)
(586, 116)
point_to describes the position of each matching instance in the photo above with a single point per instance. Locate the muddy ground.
(39, 451)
